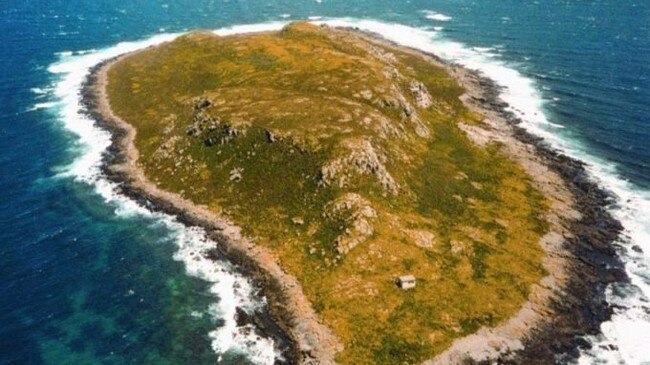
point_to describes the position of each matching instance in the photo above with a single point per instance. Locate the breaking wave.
(624, 338)
(230, 289)
(436, 16)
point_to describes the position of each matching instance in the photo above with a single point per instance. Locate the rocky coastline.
(575, 305)
(272, 321)
(569, 305)
(580, 307)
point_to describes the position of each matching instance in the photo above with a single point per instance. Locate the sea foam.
(230, 289)
(433, 15)
(629, 329)
(43, 105)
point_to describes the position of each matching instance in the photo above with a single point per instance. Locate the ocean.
(91, 277)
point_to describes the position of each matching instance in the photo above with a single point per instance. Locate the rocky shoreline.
(569, 303)
(272, 320)
(580, 308)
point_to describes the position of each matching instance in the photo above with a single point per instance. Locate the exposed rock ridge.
(361, 158)
(357, 213)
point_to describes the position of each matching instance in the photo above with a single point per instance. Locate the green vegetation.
(344, 157)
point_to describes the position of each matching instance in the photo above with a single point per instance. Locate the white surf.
(628, 332)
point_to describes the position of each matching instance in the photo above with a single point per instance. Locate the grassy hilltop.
(345, 158)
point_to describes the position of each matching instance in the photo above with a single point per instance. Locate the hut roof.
(407, 278)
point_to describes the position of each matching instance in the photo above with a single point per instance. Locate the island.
(385, 202)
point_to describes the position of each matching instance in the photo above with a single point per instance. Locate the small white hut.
(406, 282)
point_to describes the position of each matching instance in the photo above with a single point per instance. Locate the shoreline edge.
(580, 256)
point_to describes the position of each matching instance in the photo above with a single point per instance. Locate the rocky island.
(328, 163)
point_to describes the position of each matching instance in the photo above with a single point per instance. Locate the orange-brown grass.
(306, 86)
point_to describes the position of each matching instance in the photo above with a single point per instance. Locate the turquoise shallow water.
(86, 281)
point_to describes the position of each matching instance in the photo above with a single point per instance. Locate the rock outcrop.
(361, 158)
(356, 214)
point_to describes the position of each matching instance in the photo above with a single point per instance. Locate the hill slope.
(347, 159)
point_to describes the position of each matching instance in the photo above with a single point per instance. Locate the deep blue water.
(82, 285)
